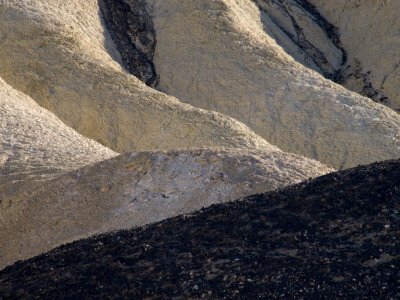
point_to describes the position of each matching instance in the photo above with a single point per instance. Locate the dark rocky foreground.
(337, 236)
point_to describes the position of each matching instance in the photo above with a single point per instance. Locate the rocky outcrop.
(137, 189)
(36, 146)
(59, 53)
(334, 237)
(216, 55)
(369, 33)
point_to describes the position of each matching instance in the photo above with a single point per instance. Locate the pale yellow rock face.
(137, 189)
(58, 53)
(216, 55)
(36, 146)
(370, 34)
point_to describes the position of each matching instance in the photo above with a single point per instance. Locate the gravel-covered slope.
(137, 189)
(334, 237)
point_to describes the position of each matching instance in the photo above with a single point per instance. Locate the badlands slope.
(337, 236)
(369, 33)
(212, 54)
(59, 53)
(217, 55)
(36, 146)
(137, 189)
(87, 80)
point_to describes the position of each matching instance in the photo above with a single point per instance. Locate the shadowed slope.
(369, 31)
(334, 237)
(137, 189)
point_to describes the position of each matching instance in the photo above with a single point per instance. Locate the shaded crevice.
(354, 72)
(132, 30)
(299, 38)
(342, 73)
(331, 32)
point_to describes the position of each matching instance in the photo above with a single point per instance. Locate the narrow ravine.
(132, 31)
(318, 42)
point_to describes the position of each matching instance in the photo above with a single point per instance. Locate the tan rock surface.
(303, 34)
(58, 53)
(139, 188)
(369, 31)
(36, 146)
(216, 55)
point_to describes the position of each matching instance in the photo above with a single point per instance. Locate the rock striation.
(336, 236)
(304, 34)
(137, 189)
(369, 33)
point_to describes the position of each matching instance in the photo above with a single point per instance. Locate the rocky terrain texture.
(218, 55)
(304, 34)
(333, 237)
(62, 55)
(36, 146)
(116, 114)
(137, 189)
(59, 53)
(369, 33)
(132, 29)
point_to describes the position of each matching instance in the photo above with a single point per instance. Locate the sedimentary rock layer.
(137, 189)
(334, 237)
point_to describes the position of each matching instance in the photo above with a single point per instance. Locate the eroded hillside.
(224, 56)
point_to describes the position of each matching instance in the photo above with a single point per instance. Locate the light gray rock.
(36, 146)
(137, 189)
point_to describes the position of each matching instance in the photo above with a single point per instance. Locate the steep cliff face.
(334, 237)
(137, 189)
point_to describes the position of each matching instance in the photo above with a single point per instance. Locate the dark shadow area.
(337, 236)
(132, 30)
(282, 17)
